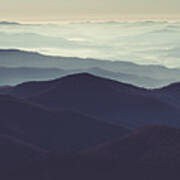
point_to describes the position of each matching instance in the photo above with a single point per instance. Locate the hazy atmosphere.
(145, 42)
(139, 31)
(37, 10)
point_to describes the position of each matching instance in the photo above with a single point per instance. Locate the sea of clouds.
(144, 42)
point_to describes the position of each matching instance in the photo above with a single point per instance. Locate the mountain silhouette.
(16, 75)
(104, 99)
(81, 126)
(147, 153)
(9, 23)
(33, 88)
(149, 76)
(28, 89)
(62, 130)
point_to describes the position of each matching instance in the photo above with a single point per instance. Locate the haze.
(44, 10)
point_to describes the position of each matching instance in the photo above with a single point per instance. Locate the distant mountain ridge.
(14, 76)
(148, 76)
(8, 23)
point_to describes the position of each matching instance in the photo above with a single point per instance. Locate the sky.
(47, 10)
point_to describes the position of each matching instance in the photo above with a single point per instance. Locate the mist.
(144, 42)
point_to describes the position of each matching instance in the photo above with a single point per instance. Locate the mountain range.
(15, 62)
(104, 99)
(8, 23)
(14, 76)
(84, 126)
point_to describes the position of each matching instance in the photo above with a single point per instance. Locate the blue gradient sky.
(35, 10)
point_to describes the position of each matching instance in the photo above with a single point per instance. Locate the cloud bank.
(146, 42)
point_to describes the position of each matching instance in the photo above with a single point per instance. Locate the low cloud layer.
(140, 42)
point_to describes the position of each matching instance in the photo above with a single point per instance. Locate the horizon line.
(24, 22)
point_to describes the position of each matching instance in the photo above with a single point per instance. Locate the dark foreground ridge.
(87, 127)
(148, 153)
(62, 131)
